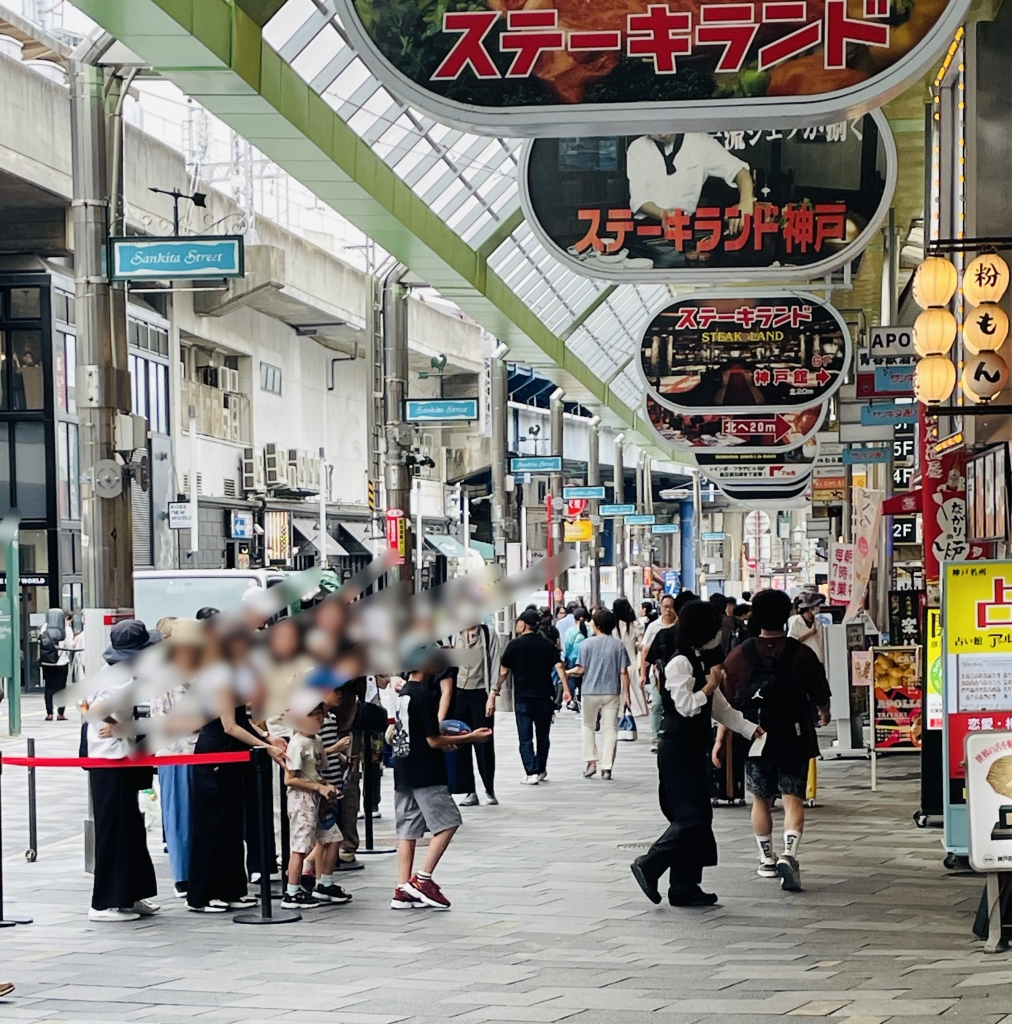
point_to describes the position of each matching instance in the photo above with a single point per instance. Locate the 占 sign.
(176, 259)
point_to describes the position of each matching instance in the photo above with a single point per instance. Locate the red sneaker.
(403, 900)
(427, 891)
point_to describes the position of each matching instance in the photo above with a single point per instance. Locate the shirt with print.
(603, 657)
(417, 765)
(333, 770)
(531, 658)
(306, 757)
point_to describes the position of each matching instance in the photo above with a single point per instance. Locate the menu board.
(984, 682)
(898, 698)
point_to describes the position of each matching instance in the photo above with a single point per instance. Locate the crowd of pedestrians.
(299, 688)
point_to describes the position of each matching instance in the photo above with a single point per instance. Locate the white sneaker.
(531, 780)
(543, 777)
(767, 868)
(146, 908)
(113, 914)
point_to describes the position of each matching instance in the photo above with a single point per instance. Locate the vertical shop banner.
(784, 204)
(573, 67)
(867, 506)
(905, 617)
(934, 701)
(989, 801)
(841, 574)
(898, 700)
(977, 635)
(397, 535)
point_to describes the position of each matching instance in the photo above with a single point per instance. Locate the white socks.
(765, 844)
(792, 840)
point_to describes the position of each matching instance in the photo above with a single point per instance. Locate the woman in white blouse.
(691, 698)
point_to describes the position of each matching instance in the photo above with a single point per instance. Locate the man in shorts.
(422, 802)
(775, 680)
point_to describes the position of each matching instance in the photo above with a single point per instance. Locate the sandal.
(591, 770)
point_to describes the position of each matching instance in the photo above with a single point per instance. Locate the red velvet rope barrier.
(126, 762)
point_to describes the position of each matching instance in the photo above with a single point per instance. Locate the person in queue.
(531, 657)
(650, 678)
(217, 879)
(124, 879)
(779, 679)
(692, 698)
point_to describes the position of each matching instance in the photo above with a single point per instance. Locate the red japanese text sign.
(573, 67)
(777, 202)
(731, 355)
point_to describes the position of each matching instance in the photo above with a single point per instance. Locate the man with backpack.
(775, 680)
(54, 657)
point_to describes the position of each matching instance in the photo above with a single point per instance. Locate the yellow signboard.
(933, 699)
(579, 530)
(978, 608)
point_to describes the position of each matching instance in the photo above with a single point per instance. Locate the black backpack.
(768, 695)
(49, 653)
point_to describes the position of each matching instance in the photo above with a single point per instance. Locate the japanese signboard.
(905, 617)
(977, 638)
(397, 535)
(867, 507)
(841, 573)
(568, 67)
(578, 531)
(788, 203)
(770, 467)
(933, 700)
(757, 432)
(897, 698)
(728, 355)
(829, 487)
(989, 801)
(891, 341)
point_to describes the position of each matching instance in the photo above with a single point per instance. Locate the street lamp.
(198, 199)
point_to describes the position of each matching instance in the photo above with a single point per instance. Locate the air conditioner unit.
(229, 379)
(275, 466)
(252, 471)
(293, 478)
(209, 375)
(235, 421)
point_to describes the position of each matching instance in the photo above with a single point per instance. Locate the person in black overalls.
(691, 698)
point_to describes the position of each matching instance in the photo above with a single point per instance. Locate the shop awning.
(445, 545)
(487, 551)
(356, 536)
(309, 529)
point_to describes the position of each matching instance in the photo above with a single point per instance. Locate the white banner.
(867, 506)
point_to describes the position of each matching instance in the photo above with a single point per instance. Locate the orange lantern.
(984, 376)
(985, 279)
(934, 282)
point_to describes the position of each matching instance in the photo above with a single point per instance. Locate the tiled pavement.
(547, 923)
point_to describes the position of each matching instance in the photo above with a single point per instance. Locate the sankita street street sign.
(664, 528)
(426, 410)
(536, 464)
(867, 456)
(888, 414)
(176, 259)
(639, 520)
(590, 493)
(616, 510)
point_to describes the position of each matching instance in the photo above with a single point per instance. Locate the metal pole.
(618, 528)
(555, 487)
(194, 506)
(103, 379)
(419, 534)
(395, 387)
(594, 480)
(32, 853)
(501, 530)
(323, 508)
(465, 510)
(697, 508)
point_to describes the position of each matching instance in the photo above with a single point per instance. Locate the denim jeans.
(534, 718)
(174, 782)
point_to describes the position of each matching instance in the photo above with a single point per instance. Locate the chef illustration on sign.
(667, 173)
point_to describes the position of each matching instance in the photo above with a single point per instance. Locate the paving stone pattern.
(547, 923)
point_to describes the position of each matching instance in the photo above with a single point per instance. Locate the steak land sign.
(786, 202)
(731, 355)
(573, 67)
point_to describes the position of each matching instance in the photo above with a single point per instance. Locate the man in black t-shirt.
(531, 658)
(422, 803)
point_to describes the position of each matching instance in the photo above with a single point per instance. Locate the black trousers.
(469, 707)
(54, 678)
(124, 873)
(217, 871)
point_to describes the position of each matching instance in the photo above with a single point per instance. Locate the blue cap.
(326, 678)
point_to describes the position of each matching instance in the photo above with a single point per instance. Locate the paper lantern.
(934, 282)
(934, 379)
(934, 332)
(985, 279)
(985, 329)
(984, 375)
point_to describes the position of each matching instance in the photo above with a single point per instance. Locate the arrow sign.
(743, 426)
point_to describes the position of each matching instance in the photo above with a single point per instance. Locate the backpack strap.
(788, 654)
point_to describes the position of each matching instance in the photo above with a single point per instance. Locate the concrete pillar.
(618, 529)
(594, 480)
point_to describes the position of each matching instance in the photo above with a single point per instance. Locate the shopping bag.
(627, 726)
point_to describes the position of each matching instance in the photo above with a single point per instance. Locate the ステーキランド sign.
(575, 67)
(775, 202)
(729, 355)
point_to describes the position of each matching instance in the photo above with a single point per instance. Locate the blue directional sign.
(867, 456)
(888, 414)
(586, 493)
(428, 410)
(640, 520)
(176, 259)
(711, 536)
(665, 528)
(894, 380)
(536, 464)
(616, 510)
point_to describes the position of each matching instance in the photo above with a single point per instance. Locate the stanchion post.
(286, 839)
(368, 781)
(5, 922)
(265, 799)
(32, 853)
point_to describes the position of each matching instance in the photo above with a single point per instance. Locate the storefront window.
(26, 304)
(30, 469)
(63, 471)
(27, 386)
(33, 551)
(5, 471)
